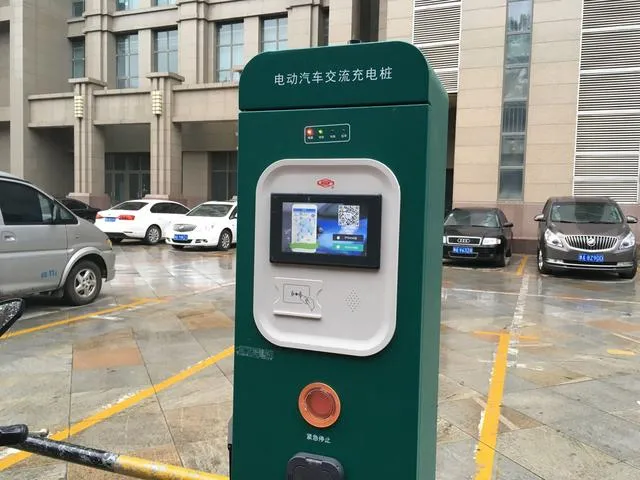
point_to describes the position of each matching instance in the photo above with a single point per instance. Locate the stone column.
(166, 139)
(301, 30)
(193, 42)
(99, 43)
(145, 57)
(345, 25)
(88, 145)
(251, 38)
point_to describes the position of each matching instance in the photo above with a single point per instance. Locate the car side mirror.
(632, 219)
(508, 225)
(10, 312)
(539, 218)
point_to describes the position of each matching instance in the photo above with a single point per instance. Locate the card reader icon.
(299, 294)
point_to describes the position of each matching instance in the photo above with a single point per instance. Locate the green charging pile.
(341, 191)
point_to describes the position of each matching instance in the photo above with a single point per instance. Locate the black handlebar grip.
(13, 435)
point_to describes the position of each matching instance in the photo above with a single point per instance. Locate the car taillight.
(98, 216)
(126, 217)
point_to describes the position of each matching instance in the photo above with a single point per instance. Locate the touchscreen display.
(326, 228)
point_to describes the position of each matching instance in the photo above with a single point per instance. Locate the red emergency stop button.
(319, 405)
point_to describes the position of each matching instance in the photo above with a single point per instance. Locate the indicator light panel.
(340, 133)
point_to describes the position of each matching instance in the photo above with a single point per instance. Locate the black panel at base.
(307, 466)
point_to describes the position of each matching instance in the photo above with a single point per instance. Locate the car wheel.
(178, 247)
(629, 274)
(542, 268)
(83, 284)
(153, 235)
(224, 242)
(504, 259)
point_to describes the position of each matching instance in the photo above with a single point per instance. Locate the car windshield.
(130, 206)
(468, 218)
(585, 212)
(210, 210)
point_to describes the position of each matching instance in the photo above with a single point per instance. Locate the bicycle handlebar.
(13, 435)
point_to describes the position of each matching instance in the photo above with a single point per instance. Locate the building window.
(515, 97)
(127, 61)
(127, 176)
(127, 4)
(224, 175)
(165, 51)
(274, 34)
(162, 3)
(230, 42)
(77, 9)
(324, 27)
(77, 58)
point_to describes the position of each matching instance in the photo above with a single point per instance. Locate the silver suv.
(44, 248)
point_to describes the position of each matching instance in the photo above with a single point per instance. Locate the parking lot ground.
(539, 375)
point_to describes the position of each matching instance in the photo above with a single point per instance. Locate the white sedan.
(146, 220)
(210, 224)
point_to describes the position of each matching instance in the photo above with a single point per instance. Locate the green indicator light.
(320, 131)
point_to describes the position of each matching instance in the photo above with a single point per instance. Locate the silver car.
(44, 248)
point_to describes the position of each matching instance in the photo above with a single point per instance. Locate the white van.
(44, 248)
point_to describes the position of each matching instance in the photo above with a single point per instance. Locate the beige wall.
(209, 137)
(126, 138)
(5, 144)
(552, 99)
(479, 101)
(342, 28)
(196, 176)
(41, 65)
(396, 20)
(4, 64)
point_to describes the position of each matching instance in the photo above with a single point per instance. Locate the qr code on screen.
(349, 216)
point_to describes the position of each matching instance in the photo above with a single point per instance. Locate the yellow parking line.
(489, 434)
(522, 265)
(498, 334)
(121, 406)
(80, 317)
(627, 353)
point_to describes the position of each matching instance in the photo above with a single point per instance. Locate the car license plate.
(591, 258)
(110, 219)
(463, 250)
(180, 238)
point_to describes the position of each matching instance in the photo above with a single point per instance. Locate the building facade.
(113, 99)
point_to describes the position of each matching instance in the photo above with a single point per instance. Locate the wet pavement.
(539, 376)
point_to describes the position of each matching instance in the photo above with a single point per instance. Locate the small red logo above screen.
(325, 182)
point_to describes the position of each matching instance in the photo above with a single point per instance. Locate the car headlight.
(444, 240)
(553, 239)
(489, 241)
(628, 242)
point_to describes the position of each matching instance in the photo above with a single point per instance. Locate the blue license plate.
(110, 219)
(180, 238)
(591, 258)
(463, 250)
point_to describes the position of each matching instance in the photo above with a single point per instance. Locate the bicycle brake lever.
(13, 435)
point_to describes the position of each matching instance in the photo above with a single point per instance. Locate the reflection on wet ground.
(539, 375)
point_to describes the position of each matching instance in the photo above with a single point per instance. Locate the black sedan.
(482, 234)
(81, 209)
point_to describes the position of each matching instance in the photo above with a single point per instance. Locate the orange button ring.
(319, 405)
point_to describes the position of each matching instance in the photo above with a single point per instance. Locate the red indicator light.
(325, 183)
(319, 405)
(309, 132)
